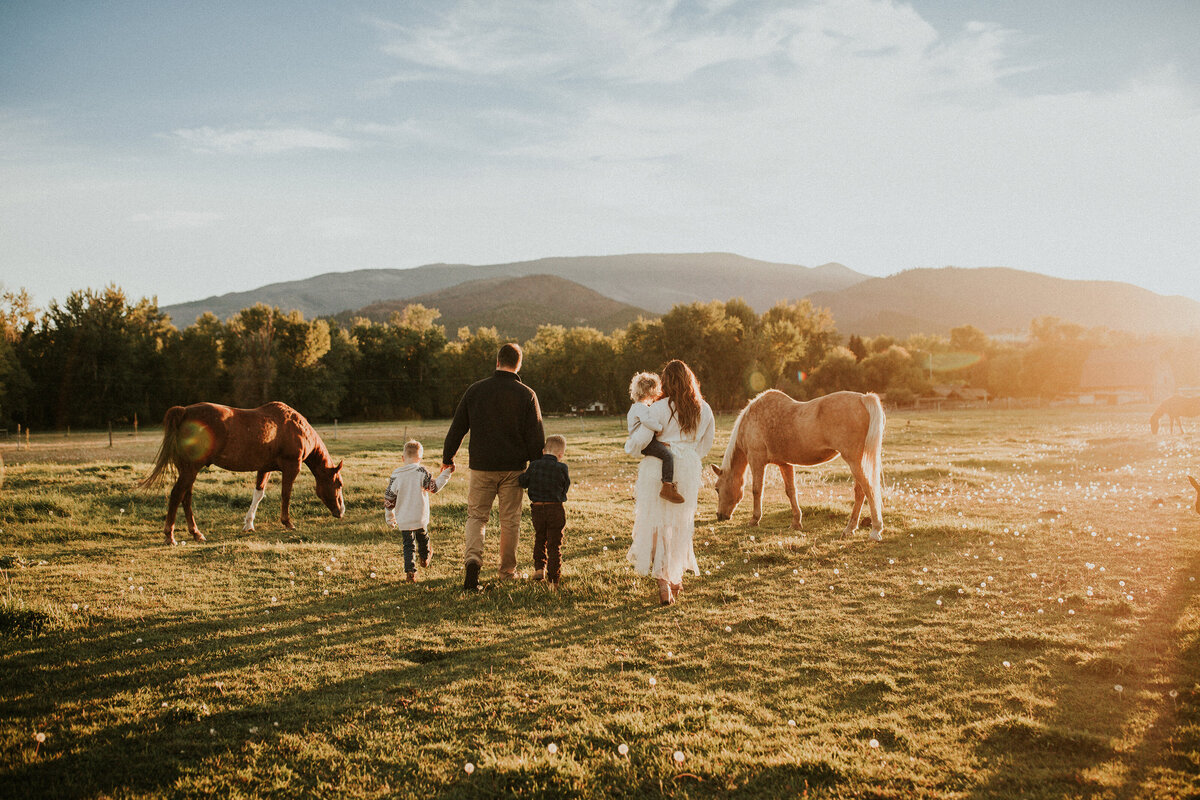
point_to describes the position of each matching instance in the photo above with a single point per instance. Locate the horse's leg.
(855, 512)
(288, 475)
(183, 483)
(756, 475)
(193, 528)
(789, 487)
(872, 486)
(260, 489)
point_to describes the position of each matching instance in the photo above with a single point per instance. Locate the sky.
(181, 149)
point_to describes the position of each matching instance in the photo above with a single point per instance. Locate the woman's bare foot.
(664, 593)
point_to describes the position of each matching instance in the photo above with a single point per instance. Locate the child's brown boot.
(539, 574)
(412, 577)
(670, 492)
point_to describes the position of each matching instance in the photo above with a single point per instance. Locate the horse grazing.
(1176, 407)
(775, 429)
(263, 440)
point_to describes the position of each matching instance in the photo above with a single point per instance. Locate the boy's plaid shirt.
(547, 480)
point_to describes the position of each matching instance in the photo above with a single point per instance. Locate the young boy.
(644, 389)
(406, 504)
(547, 480)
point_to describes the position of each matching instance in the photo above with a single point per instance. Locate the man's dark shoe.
(471, 583)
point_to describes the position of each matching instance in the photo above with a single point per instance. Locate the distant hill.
(999, 300)
(651, 281)
(514, 306)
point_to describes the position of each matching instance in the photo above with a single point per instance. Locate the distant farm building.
(948, 395)
(1125, 375)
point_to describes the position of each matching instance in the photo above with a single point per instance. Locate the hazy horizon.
(183, 151)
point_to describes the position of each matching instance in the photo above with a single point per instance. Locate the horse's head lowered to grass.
(730, 489)
(329, 488)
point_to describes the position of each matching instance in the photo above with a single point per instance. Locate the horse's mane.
(727, 459)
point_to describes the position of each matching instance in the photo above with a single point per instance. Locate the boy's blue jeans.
(417, 541)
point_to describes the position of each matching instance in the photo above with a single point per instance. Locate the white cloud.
(260, 141)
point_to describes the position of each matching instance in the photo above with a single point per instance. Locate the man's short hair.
(556, 444)
(509, 356)
(413, 449)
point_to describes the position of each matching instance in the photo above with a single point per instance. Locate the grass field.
(1030, 626)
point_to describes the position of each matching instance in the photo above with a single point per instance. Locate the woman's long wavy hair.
(680, 385)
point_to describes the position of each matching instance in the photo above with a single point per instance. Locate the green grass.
(1061, 545)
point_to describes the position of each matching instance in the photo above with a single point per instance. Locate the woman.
(662, 531)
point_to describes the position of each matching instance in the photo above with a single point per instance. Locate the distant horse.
(775, 429)
(1195, 486)
(263, 440)
(1176, 407)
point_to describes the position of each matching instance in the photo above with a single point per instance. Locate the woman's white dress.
(662, 531)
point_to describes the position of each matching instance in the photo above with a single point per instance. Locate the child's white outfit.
(407, 495)
(642, 426)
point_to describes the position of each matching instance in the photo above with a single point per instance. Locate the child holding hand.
(406, 505)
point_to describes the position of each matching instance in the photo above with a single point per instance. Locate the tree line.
(100, 357)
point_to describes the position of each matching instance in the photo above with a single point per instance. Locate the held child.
(406, 504)
(644, 389)
(547, 480)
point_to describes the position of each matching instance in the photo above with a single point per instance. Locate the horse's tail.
(873, 444)
(168, 451)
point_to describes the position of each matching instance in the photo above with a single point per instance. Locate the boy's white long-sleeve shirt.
(408, 493)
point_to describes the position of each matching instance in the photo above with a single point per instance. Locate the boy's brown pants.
(549, 520)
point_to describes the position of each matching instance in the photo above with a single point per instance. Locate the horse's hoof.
(170, 541)
(247, 527)
(289, 526)
(875, 536)
(198, 536)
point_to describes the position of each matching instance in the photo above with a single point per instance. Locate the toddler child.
(406, 504)
(547, 480)
(644, 389)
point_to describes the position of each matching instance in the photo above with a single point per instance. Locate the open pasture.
(1029, 626)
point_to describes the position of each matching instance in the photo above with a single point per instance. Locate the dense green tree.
(572, 368)
(98, 358)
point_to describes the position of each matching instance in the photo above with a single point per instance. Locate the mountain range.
(514, 306)
(608, 292)
(652, 281)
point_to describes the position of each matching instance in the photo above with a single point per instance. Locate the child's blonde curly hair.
(643, 385)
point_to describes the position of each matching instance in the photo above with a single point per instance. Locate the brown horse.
(1176, 407)
(775, 429)
(1195, 486)
(263, 440)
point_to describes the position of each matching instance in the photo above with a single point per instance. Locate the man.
(505, 422)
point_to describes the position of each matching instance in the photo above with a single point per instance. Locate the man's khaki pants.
(484, 488)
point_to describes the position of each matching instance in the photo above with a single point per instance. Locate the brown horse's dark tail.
(168, 452)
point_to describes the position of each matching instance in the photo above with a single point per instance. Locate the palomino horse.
(264, 439)
(775, 429)
(1176, 407)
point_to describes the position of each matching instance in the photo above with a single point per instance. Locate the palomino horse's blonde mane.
(727, 459)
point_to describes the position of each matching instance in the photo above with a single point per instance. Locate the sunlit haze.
(187, 149)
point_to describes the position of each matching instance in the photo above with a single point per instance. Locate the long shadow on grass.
(1032, 758)
(66, 676)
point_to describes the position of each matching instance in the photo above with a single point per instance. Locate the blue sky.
(186, 149)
